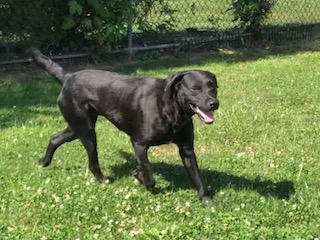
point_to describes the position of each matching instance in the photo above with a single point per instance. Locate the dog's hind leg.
(56, 141)
(143, 172)
(84, 126)
(82, 119)
(89, 141)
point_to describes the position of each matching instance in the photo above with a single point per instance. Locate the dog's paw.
(106, 180)
(44, 163)
(102, 179)
(147, 181)
(138, 175)
(150, 186)
(207, 200)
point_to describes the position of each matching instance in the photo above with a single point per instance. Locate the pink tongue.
(207, 117)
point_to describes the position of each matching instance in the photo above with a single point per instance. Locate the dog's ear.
(173, 80)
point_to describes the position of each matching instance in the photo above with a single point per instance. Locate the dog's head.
(196, 92)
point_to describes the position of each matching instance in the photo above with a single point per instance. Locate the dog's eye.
(210, 84)
(196, 88)
(213, 92)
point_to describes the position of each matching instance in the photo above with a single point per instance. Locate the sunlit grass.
(260, 158)
(214, 14)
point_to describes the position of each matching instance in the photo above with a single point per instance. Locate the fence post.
(129, 31)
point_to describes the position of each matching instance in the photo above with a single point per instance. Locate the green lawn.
(214, 13)
(260, 157)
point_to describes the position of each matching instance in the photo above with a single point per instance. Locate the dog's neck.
(173, 112)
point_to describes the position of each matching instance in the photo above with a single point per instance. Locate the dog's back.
(124, 100)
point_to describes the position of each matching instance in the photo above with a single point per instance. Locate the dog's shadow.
(217, 180)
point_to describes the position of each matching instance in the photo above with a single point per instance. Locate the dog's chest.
(161, 132)
(157, 134)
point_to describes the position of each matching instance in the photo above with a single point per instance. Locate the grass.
(261, 159)
(214, 14)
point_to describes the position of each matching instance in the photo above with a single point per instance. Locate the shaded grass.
(261, 159)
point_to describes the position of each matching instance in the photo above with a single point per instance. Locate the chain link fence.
(193, 24)
(199, 22)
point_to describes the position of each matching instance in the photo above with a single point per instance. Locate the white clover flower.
(128, 208)
(247, 222)
(97, 227)
(241, 154)
(134, 220)
(56, 198)
(134, 232)
(67, 197)
(158, 207)
(39, 191)
(127, 196)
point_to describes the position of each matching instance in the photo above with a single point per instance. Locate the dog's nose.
(214, 104)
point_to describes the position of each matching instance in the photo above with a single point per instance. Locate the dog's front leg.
(143, 171)
(190, 162)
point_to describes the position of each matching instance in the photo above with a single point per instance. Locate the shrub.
(99, 22)
(251, 14)
(76, 24)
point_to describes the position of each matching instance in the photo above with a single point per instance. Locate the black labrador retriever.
(151, 111)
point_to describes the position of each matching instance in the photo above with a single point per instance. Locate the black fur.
(151, 111)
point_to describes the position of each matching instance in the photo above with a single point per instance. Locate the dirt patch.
(21, 73)
(29, 71)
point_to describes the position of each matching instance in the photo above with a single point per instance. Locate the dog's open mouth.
(206, 116)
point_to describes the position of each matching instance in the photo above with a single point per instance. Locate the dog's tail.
(47, 64)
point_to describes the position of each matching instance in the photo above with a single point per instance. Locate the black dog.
(151, 111)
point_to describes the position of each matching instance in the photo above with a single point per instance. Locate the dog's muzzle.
(206, 116)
